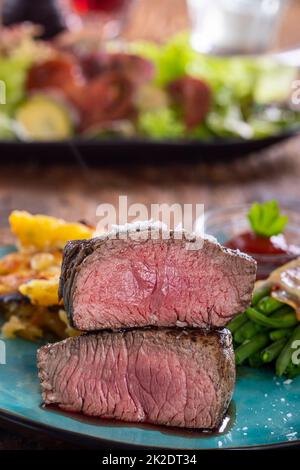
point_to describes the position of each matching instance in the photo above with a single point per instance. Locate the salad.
(79, 87)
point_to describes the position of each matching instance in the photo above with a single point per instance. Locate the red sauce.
(250, 242)
(265, 250)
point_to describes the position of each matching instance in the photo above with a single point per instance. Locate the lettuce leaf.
(13, 72)
(171, 60)
(273, 83)
(242, 88)
(7, 130)
(19, 51)
(161, 123)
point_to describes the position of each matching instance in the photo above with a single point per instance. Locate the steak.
(174, 377)
(140, 281)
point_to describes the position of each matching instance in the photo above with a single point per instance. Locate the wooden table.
(74, 191)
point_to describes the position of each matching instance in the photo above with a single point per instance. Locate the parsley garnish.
(265, 219)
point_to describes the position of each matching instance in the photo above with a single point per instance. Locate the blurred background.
(39, 181)
(147, 24)
(159, 20)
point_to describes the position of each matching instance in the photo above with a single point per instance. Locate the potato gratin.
(29, 277)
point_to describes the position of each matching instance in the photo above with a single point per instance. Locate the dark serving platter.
(135, 150)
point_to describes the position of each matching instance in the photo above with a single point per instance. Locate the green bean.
(238, 337)
(255, 360)
(250, 347)
(279, 334)
(268, 304)
(237, 322)
(259, 293)
(286, 321)
(247, 331)
(282, 311)
(273, 350)
(250, 329)
(285, 356)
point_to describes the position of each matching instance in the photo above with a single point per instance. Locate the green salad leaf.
(243, 89)
(171, 60)
(13, 72)
(7, 128)
(266, 220)
(18, 50)
(161, 123)
(273, 82)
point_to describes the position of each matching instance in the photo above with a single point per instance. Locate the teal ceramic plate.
(265, 411)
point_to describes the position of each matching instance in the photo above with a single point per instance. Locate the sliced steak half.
(115, 283)
(174, 377)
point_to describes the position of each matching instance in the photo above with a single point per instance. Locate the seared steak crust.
(135, 282)
(173, 377)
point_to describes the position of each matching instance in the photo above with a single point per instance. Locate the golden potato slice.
(45, 233)
(43, 292)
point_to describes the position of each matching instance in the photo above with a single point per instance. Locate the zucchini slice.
(44, 118)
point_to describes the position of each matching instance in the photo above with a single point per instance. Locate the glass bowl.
(226, 223)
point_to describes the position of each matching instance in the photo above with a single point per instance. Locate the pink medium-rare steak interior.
(171, 377)
(127, 283)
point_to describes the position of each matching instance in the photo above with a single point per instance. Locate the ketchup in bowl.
(250, 242)
(270, 253)
(261, 231)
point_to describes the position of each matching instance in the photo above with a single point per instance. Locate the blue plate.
(265, 411)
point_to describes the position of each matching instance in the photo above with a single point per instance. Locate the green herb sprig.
(266, 220)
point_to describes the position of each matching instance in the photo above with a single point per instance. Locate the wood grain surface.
(74, 191)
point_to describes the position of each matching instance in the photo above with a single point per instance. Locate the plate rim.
(140, 141)
(72, 436)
